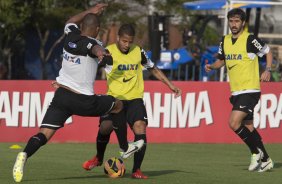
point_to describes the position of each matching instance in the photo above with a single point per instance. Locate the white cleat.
(265, 166)
(255, 161)
(132, 148)
(18, 167)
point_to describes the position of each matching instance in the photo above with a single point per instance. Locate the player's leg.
(137, 119)
(34, 143)
(235, 123)
(266, 161)
(139, 129)
(103, 105)
(242, 114)
(120, 128)
(102, 141)
(245, 134)
(53, 120)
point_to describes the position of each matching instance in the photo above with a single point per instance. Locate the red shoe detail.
(139, 175)
(90, 164)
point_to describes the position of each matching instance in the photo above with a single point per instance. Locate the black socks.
(120, 127)
(260, 145)
(102, 142)
(34, 143)
(139, 156)
(245, 134)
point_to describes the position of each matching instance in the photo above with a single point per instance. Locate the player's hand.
(100, 52)
(55, 84)
(98, 9)
(177, 91)
(265, 76)
(208, 68)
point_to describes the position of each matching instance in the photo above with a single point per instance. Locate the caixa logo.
(70, 58)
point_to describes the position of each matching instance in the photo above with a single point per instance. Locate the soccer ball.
(114, 167)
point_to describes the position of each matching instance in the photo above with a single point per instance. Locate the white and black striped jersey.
(79, 65)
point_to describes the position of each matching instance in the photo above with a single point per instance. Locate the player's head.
(90, 25)
(236, 20)
(125, 38)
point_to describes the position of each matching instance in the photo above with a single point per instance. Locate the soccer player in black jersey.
(239, 52)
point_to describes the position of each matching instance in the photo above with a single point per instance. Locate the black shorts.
(245, 102)
(134, 110)
(66, 103)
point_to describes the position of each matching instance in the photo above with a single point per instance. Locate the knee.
(48, 133)
(139, 127)
(106, 127)
(117, 107)
(234, 125)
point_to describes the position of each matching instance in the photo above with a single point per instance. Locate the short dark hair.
(90, 20)
(237, 11)
(127, 29)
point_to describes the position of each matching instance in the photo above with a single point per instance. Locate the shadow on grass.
(163, 172)
(127, 175)
(277, 164)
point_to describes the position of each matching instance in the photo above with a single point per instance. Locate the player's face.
(124, 42)
(235, 25)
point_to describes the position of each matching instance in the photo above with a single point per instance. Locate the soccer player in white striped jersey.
(75, 94)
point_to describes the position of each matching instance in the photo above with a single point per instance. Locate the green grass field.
(164, 164)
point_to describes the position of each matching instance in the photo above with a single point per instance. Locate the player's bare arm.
(265, 76)
(161, 76)
(216, 65)
(97, 9)
(100, 52)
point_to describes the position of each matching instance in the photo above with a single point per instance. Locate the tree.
(19, 17)
(13, 16)
(47, 16)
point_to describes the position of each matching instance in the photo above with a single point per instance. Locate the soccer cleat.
(132, 148)
(139, 175)
(265, 166)
(255, 161)
(90, 164)
(19, 166)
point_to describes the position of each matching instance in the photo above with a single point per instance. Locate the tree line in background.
(20, 17)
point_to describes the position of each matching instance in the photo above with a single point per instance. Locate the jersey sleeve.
(77, 44)
(145, 60)
(257, 46)
(107, 60)
(221, 50)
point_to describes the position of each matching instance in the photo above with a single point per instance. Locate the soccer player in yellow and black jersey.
(239, 52)
(125, 82)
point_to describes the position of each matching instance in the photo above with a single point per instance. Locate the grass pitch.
(164, 164)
